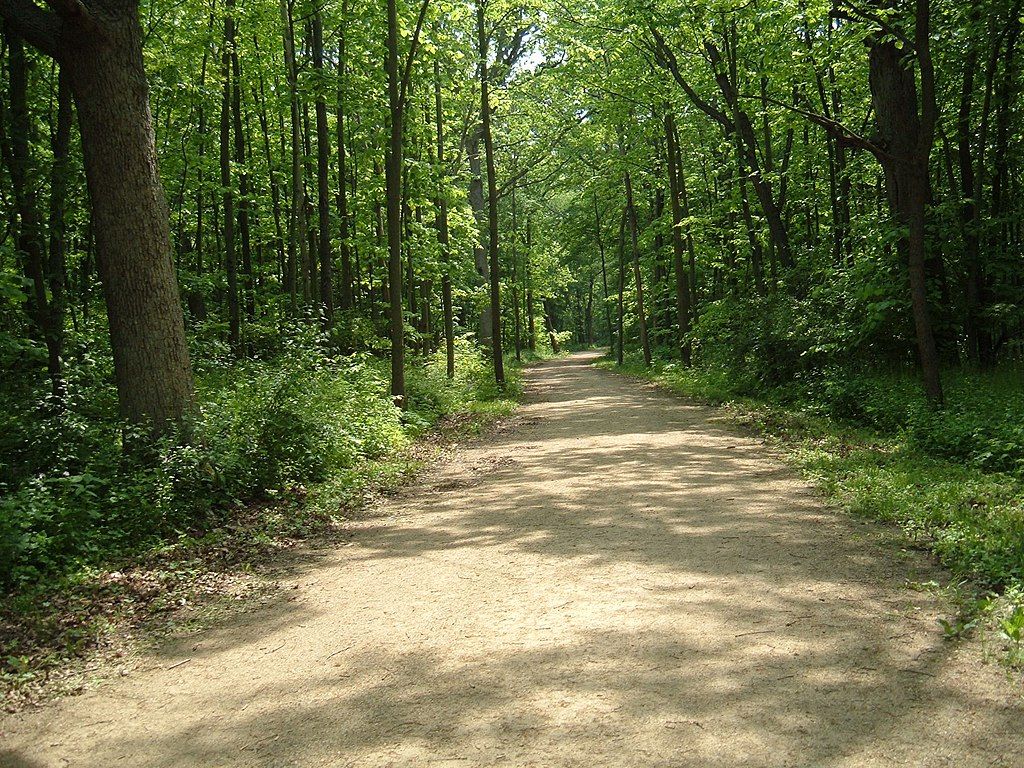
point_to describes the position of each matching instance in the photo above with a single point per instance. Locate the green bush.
(281, 423)
(71, 495)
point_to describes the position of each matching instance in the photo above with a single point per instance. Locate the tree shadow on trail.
(699, 608)
(646, 698)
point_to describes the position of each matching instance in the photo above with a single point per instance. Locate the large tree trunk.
(907, 134)
(100, 46)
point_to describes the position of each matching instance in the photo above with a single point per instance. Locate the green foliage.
(1011, 629)
(273, 424)
(263, 427)
(431, 394)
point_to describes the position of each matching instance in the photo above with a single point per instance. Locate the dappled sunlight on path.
(617, 578)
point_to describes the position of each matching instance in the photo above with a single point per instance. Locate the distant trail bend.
(618, 579)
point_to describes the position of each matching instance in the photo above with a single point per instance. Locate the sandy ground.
(619, 579)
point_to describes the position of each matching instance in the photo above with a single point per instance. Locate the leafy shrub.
(70, 495)
(431, 393)
(282, 423)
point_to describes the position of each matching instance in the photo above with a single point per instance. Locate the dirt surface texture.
(617, 578)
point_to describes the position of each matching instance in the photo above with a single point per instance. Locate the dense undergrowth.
(92, 535)
(951, 478)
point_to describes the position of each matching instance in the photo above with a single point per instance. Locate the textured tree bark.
(100, 46)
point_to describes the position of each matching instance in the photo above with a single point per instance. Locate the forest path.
(616, 579)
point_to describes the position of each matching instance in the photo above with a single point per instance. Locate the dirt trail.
(618, 580)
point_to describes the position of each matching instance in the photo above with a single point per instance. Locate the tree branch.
(407, 74)
(667, 59)
(832, 127)
(38, 27)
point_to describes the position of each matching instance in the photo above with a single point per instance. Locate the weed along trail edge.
(616, 578)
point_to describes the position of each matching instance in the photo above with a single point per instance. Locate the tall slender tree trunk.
(645, 342)
(682, 276)
(513, 255)
(442, 229)
(57, 266)
(227, 189)
(497, 354)
(968, 205)
(531, 323)
(393, 194)
(244, 203)
(30, 239)
(604, 268)
(346, 297)
(323, 165)
(297, 246)
(275, 188)
(620, 356)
